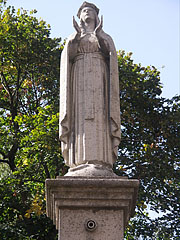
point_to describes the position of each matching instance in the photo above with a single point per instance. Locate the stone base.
(93, 208)
(92, 170)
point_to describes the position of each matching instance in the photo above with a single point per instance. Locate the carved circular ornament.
(90, 225)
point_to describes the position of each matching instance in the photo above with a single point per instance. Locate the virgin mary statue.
(89, 93)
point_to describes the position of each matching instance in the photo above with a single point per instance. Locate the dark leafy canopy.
(150, 150)
(29, 147)
(29, 71)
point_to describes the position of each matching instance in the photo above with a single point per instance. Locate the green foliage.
(40, 145)
(29, 71)
(150, 150)
(22, 211)
(29, 145)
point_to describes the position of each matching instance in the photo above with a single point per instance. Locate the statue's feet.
(91, 170)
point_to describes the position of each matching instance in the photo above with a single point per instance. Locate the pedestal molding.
(95, 193)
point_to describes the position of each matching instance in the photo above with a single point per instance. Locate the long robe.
(89, 101)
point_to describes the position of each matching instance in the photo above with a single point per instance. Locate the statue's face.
(87, 14)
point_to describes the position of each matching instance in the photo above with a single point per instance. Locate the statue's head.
(88, 11)
(87, 5)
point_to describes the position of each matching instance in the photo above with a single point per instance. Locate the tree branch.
(18, 87)
(46, 170)
(6, 87)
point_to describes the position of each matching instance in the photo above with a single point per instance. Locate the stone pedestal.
(91, 208)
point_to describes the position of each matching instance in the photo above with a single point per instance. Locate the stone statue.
(89, 93)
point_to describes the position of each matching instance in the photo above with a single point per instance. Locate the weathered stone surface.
(109, 224)
(109, 202)
(92, 170)
(89, 93)
(90, 202)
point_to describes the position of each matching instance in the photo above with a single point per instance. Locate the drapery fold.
(67, 114)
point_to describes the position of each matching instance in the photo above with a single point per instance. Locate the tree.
(29, 76)
(29, 146)
(150, 150)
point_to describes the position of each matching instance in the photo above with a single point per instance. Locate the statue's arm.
(103, 43)
(74, 40)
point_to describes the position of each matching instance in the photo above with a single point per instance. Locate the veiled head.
(88, 12)
(89, 5)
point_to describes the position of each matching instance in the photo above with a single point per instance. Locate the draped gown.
(89, 133)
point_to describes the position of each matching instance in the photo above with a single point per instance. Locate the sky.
(150, 29)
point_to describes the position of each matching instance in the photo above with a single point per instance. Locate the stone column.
(91, 208)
